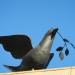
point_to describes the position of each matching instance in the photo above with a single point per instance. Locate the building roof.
(53, 71)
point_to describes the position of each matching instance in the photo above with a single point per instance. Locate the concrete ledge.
(55, 71)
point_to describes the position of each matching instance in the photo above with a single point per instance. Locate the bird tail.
(12, 68)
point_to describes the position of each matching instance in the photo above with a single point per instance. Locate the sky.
(34, 18)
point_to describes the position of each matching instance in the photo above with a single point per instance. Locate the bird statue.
(20, 47)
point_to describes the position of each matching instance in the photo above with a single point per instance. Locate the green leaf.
(65, 40)
(61, 55)
(59, 49)
(66, 52)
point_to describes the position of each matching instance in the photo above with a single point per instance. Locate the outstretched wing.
(17, 45)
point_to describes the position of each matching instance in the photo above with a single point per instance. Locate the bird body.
(38, 57)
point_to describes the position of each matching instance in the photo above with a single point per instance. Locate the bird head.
(51, 33)
(47, 41)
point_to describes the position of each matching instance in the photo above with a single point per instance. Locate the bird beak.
(53, 33)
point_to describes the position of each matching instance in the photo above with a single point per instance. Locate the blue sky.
(34, 18)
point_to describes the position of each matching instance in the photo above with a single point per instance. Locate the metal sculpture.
(32, 58)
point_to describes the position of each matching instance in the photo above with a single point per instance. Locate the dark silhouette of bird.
(32, 58)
